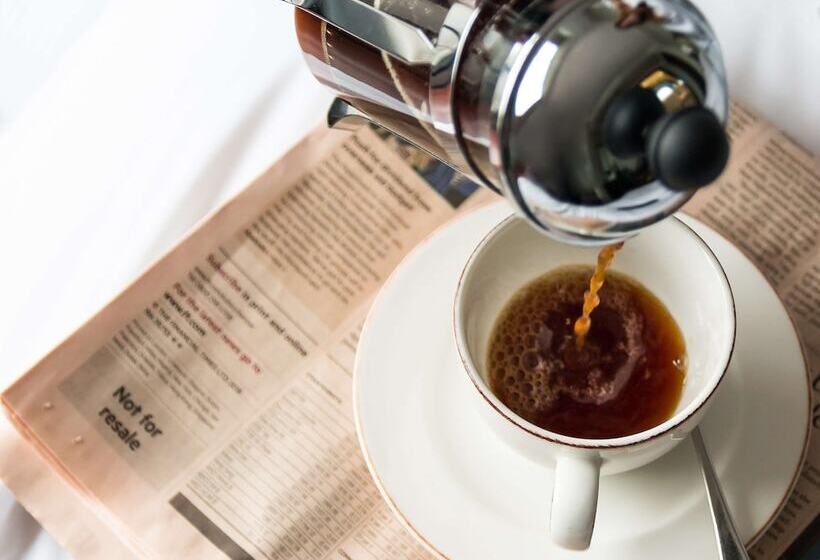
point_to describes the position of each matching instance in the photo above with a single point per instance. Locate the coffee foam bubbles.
(535, 348)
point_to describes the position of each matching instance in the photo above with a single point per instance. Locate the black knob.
(627, 120)
(687, 149)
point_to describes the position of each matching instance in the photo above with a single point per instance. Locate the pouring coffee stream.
(591, 298)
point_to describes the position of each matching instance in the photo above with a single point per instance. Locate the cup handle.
(574, 500)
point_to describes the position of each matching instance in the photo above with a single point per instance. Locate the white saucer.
(466, 495)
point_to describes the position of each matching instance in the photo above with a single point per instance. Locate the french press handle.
(379, 29)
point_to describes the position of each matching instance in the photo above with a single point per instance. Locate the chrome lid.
(610, 117)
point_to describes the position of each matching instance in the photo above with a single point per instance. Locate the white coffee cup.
(676, 265)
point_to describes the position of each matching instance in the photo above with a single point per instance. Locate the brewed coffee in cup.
(626, 377)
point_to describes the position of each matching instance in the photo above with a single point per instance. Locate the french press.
(594, 118)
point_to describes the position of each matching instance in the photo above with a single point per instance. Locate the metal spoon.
(730, 547)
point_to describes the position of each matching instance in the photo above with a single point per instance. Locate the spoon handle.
(730, 547)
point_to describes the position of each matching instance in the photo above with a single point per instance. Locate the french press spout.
(594, 118)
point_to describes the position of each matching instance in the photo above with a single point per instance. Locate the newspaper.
(768, 204)
(205, 412)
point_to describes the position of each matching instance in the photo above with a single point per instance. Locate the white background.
(122, 123)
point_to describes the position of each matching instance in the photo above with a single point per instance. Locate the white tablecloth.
(123, 122)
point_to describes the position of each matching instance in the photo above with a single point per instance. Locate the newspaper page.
(768, 204)
(218, 403)
(212, 398)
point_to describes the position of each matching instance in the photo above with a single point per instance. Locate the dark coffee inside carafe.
(392, 92)
(627, 377)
